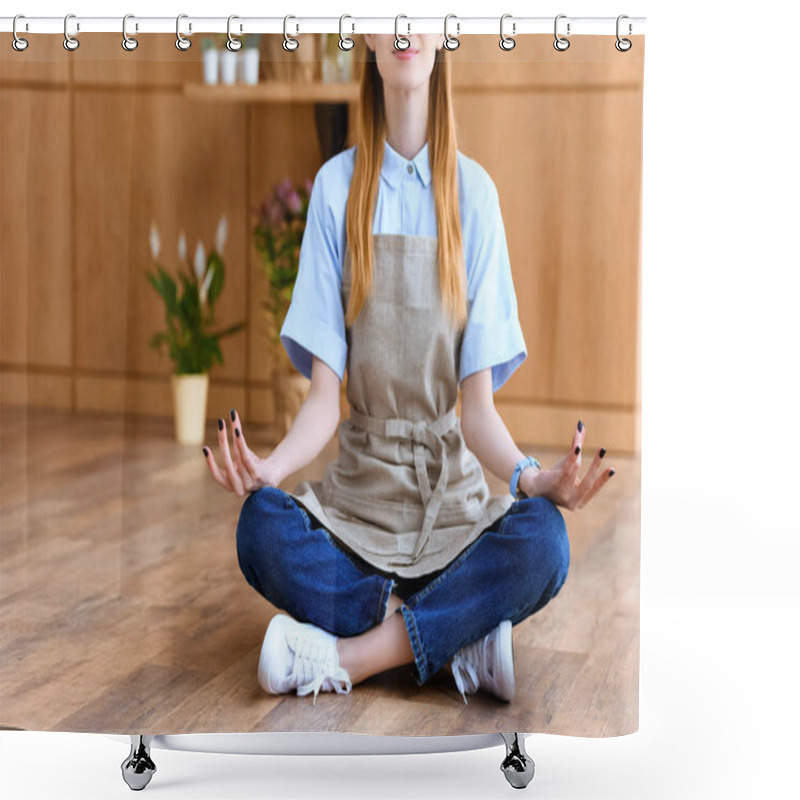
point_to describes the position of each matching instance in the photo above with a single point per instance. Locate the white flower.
(155, 241)
(200, 261)
(222, 233)
(206, 284)
(182, 246)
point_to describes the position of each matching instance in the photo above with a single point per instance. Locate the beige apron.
(405, 493)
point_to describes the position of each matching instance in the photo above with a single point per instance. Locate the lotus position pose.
(400, 554)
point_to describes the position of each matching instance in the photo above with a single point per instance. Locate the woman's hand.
(243, 473)
(560, 483)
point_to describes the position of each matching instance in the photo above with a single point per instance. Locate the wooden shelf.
(275, 92)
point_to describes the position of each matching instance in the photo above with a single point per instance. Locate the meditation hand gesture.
(560, 483)
(243, 473)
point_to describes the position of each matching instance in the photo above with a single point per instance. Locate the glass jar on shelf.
(336, 63)
(250, 61)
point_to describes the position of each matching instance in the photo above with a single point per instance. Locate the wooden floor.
(123, 610)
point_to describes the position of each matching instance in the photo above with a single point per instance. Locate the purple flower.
(283, 212)
(293, 202)
(275, 214)
(284, 190)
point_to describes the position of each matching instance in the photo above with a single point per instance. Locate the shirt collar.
(395, 166)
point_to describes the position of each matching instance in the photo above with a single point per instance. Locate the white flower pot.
(249, 65)
(211, 66)
(228, 62)
(190, 396)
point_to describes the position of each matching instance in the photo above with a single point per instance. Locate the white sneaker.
(487, 663)
(299, 654)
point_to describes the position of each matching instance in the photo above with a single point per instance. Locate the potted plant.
(278, 235)
(191, 344)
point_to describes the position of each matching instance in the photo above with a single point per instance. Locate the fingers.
(567, 469)
(240, 467)
(589, 478)
(216, 473)
(594, 479)
(599, 483)
(577, 447)
(245, 456)
(578, 435)
(234, 477)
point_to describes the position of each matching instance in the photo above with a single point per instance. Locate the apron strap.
(422, 434)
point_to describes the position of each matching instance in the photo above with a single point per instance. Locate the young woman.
(400, 555)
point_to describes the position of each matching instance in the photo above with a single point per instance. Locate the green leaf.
(162, 282)
(170, 291)
(217, 352)
(155, 280)
(217, 279)
(158, 339)
(229, 330)
(189, 305)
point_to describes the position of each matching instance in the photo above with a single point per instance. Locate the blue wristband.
(528, 461)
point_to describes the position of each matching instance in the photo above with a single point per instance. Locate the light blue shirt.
(315, 325)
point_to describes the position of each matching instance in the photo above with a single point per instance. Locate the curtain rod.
(298, 25)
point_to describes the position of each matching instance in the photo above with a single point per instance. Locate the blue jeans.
(513, 569)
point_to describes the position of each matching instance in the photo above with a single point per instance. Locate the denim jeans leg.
(296, 565)
(512, 570)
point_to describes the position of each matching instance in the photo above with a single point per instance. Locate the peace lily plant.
(190, 341)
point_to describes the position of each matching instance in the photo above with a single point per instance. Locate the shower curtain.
(159, 209)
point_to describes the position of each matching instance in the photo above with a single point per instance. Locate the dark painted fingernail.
(580, 427)
(602, 452)
(577, 450)
(205, 452)
(220, 423)
(611, 472)
(233, 416)
(237, 432)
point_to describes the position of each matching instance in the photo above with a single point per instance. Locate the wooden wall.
(96, 144)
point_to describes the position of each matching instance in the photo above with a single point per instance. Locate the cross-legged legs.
(511, 571)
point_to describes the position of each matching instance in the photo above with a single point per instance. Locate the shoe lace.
(316, 666)
(465, 666)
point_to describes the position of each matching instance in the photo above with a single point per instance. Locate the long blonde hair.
(442, 153)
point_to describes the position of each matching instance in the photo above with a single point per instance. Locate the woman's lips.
(405, 55)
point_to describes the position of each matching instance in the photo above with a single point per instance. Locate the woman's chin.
(405, 81)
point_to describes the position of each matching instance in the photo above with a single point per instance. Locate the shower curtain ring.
(290, 44)
(18, 43)
(345, 42)
(128, 42)
(70, 42)
(451, 42)
(400, 42)
(623, 45)
(233, 44)
(506, 42)
(561, 44)
(182, 43)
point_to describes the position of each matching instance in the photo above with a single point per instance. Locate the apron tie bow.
(418, 432)
(423, 434)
